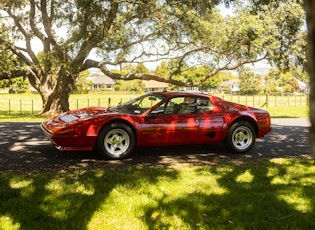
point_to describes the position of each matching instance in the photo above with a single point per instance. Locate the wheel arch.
(250, 120)
(122, 121)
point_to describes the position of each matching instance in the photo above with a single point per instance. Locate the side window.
(184, 105)
(172, 106)
(181, 105)
(203, 105)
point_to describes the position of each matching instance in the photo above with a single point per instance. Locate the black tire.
(116, 141)
(241, 137)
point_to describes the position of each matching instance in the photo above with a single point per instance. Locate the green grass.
(24, 107)
(274, 194)
(289, 112)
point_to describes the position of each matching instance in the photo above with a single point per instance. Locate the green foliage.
(83, 84)
(250, 83)
(134, 86)
(15, 85)
(284, 81)
(141, 68)
(162, 70)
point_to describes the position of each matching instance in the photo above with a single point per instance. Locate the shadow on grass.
(261, 195)
(256, 204)
(37, 201)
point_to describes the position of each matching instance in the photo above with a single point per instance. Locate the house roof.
(154, 84)
(230, 83)
(100, 79)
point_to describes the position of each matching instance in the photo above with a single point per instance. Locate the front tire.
(116, 141)
(241, 137)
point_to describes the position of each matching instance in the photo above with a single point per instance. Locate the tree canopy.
(74, 36)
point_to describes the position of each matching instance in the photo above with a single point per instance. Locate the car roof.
(179, 93)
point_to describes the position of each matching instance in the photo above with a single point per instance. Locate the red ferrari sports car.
(159, 119)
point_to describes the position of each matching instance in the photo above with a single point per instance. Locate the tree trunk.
(56, 101)
(310, 18)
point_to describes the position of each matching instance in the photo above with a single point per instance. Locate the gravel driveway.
(25, 149)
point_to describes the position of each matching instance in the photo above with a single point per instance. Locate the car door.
(211, 121)
(172, 123)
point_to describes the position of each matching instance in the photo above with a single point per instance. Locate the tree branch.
(27, 40)
(47, 21)
(130, 76)
(12, 74)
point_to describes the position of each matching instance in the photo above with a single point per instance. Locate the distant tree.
(83, 84)
(162, 70)
(134, 86)
(141, 69)
(294, 83)
(250, 83)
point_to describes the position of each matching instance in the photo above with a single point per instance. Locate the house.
(232, 85)
(191, 89)
(151, 85)
(101, 81)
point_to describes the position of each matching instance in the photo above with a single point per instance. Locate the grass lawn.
(274, 194)
(24, 107)
(275, 112)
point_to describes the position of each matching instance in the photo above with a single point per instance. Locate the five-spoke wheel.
(241, 137)
(116, 141)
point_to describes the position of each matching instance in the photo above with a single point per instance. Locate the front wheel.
(241, 137)
(116, 141)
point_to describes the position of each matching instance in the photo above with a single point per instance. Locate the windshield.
(140, 104)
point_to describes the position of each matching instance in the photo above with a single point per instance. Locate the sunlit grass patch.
(275, 194)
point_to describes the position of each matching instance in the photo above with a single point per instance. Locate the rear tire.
(241, 137)
(116, 141)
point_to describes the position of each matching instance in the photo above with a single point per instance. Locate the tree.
(310, 16)
(162, 70)
(141, 69)
(73, 33)
(83, 84)
(249, 82)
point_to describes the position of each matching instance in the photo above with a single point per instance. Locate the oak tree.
(76, 35)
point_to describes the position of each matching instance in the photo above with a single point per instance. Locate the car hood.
(84, 114)
(59, 122)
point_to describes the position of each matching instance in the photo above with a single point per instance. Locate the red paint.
(79, 129)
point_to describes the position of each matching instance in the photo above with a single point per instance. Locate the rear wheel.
(241, 137)
(116, 141)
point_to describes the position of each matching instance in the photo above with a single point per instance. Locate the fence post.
(253, 100)
(288, 100)
(21, 107)
(267, 100)
(9, 107)
(109, 102)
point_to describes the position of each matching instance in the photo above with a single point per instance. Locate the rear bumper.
(263, 131)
